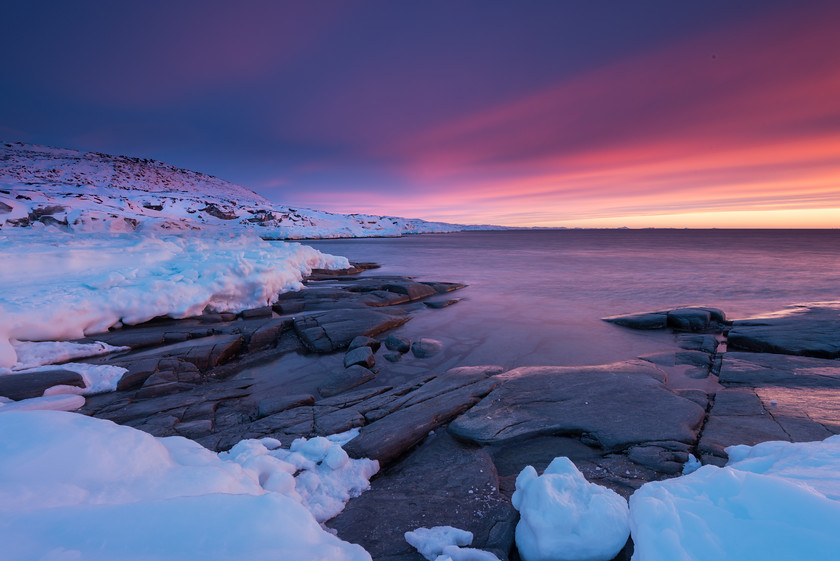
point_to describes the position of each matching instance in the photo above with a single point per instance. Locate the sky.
(538, 113)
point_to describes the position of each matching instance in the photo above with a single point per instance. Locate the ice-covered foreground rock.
(75, 487)
(566, 518)
(58, 285)
(774, 500)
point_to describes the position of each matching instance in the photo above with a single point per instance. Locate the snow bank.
(61, 402)
(775, 500)
(75, 487)
(443, 543)
(58, 285)
(566, 518)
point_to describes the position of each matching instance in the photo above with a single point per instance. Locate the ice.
(59, 285)
(30, 355)
(444, 543)
(566, 518)
(692, 465)
(774, 500)
(75, 487)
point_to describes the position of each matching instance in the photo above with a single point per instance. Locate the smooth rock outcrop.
(25, 386)
(612, 406)
(754, 369)
(425, 347)
(811, 332)
(333, 330)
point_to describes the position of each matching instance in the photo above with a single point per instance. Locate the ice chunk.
(430, 542)
(566, 518)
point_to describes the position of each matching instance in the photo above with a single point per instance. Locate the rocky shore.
(451, 440)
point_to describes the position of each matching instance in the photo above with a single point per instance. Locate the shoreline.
(622, 424)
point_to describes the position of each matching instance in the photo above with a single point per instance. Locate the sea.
(537, 297)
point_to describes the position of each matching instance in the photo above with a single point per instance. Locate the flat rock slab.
(346, 379)
(387, 438)
(805, 414)
(205, 353)
(334, 330)
(812, 332)
(613, 405)
(25, 386)
(738, 417)
(363, 356)
(441, 483)
(757, 369)
(684, 319)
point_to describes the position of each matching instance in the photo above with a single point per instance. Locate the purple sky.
(532, 113)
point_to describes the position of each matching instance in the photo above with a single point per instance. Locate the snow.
(75, 487)
(774, 500)
(61, 285)
(443, 543)
(30, 355)
(566, 518)
(93, 192)
(326, 477)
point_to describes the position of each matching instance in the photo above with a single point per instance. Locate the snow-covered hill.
(91, 192)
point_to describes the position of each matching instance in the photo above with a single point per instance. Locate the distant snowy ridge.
(94, 192)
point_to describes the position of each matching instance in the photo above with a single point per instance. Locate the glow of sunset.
(715, 115)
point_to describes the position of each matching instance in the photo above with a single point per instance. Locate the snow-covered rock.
(774, 500)
(566, 518)
(445, 543)
(75, 487)
(67, 285)
(85, 192)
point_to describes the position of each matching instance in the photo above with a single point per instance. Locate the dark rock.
(264, 311)
(224, 214)
(441, 483)
(812, 332)
(346, 399)
(438, 304)
(195, 429)
(382, 298)
(662, 457)
(706, 343)
(205, 353)
(397, 343)
(648, 320)
(755, 369)
(272, 405)
(414, 290)
(346, 379)
(333, 330)
(25, 386)
(612, 405)
(690, 319)
(362, 341)
(288, 307)
(268, 334)
(391, 436)
(425, 348)
(737, 417)
(362, 356)
(331, 421)
(804, 413)
(444, 287)
(392, 357)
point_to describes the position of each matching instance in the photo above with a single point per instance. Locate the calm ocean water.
(536, 297)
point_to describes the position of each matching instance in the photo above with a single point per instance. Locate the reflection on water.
(536, 297)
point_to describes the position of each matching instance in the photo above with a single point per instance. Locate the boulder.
(362, 356)
(362, 341)
(425, 348)
(397, 343)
